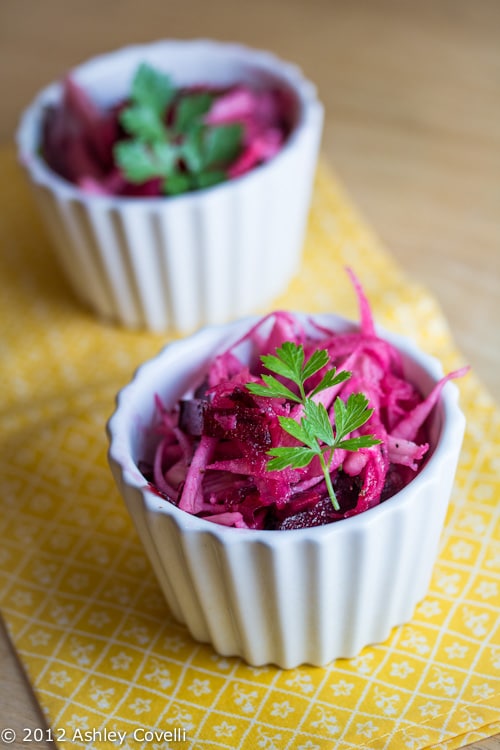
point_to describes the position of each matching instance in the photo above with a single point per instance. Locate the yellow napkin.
(109, 665)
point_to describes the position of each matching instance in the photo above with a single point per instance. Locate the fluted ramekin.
(200, 258)
(296, 596)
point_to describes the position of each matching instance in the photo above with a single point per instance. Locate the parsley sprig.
(169, 138)
(314, 431)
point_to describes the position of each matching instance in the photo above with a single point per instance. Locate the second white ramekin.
(195, 259)
(297, 596)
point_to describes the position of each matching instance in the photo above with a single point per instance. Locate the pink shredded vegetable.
(78, 137)
(211, 457)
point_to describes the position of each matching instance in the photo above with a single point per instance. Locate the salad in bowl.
(168, 174)
(289, 477)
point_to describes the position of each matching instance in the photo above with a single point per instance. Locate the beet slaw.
(79, 137)
(211, 454)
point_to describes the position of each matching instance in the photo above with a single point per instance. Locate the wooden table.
(412, 97)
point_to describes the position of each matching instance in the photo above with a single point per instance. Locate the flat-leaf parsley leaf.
(169, 138)
(317, 436)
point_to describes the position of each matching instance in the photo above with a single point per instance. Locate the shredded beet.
(78, 137)
(212, 452)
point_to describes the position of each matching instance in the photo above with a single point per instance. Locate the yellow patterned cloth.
(109, 665)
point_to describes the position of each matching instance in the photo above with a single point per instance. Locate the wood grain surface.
(412, 97)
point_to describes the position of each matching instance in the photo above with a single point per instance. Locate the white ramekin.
(295, 596)
(195, 259)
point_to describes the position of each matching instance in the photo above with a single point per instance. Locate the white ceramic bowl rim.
(28, 132)
(449, 415)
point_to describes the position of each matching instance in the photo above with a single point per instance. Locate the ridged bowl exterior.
(296, 596)
(201, 258)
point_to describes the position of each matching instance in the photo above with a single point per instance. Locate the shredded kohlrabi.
(212, 451)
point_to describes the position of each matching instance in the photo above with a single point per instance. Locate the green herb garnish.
(314, 431)
(185, 153)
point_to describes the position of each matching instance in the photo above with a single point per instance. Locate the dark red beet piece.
(192, 416)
